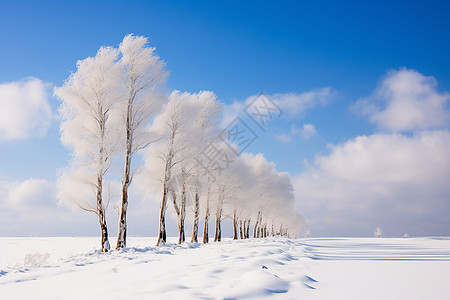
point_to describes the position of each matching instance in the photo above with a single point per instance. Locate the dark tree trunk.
(241, 233)
(194, 237)
(122, 234)
(205, 232)
(205, 226)
(218, 233)
(255, 229)
(235, 225)
(181, 234)
(247, 230)
(162, 217)
(101, 216)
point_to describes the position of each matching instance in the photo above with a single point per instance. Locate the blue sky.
(239, 49)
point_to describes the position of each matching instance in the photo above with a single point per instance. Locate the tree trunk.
(181, 233)
(194, 237)
(122, 235)
(218, 233)
(255, 229)
(241, 235)
(235, 224)
(205, 226)
(247, 230)
(162, 217)
(101, 216)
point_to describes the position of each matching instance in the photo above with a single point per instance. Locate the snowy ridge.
(254, 268)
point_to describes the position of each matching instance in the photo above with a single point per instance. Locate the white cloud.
(283, 137)
(390, 180)
(30, 208)
(291, 104)
(24, 109)
(406, 100)
(296, 104)
(306, 132)
(31, 193)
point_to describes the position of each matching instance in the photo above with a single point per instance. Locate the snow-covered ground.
(337, 268)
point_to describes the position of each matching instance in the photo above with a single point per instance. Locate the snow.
(334, 268)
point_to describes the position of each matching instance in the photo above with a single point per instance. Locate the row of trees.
(113, 108)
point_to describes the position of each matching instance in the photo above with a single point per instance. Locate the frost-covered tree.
(142, 72)
(87, 100)
(227, 188)
(204, 129)
(169, 161)
(182, 128)
(264, 195)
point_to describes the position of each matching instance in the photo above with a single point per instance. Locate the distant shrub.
(35, 260)
(377, 233)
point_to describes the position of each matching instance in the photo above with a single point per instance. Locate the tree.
(204, 130)
(141, 73)
(169, 160)
(180, 208)
(183, 128)
(207, 215)
(227, 188)
(88, 97)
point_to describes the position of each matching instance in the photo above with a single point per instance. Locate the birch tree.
(88, 97)
(169, 160)
(141, 73)
(205, 129)
(207, 214)
(227, 188)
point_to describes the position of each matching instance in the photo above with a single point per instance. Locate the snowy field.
(337, 268)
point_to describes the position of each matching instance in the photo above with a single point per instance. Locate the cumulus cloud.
(24, 109)
(395, 181)
(296, 104)
(306, 132)
(406, 100)
(30, 208)
(31, 193)
(291, 104)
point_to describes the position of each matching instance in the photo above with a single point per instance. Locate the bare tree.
(207, 215)
(180, 207)
(227, 189)
(142, 72)
(196, 209)
(206, 127)
(241, 230)
(235, 224)
(88, 97)
(219, 211)
(256, 228)
(168, 157)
